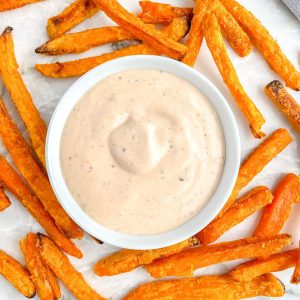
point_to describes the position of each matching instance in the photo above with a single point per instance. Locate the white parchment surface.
(29, 25)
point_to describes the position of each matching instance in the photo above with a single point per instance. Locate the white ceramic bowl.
(212, 207)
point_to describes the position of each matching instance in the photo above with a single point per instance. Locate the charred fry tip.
(40, 49)
(8, 29)
(257, 134)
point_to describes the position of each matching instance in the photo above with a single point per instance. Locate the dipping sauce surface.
(142, 151)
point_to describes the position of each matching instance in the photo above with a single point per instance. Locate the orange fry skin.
(74, 14)
(274, 263)
(195, 37)
(13, 183)
(4, 200)
(17, 275)
(285, 102)
(161, 13)
(22, 99)
(187, 261)
(59, 263)
(127, 260)
(257, 160)
(216, 45)
(208, 287)
(41, 275)
(32, 173)
(177, 29)
(243, 208)
(159, 41)
(276, 213)
(296, 274)
(265, 43)
(13, 4)
(82, 41)
(233, 32)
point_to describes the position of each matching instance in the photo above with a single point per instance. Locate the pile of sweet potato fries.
(158, 30)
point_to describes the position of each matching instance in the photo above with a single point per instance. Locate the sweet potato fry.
(296, 274)
(127, 260)
(285, 102)
(41, 275)
(13, 183)
(59, 263)
(243, 208)
(217, 287)
(22, 99)
(257, 160)
(276, 262)
(195, 37)
(81, 41)
(265, 43)
(74, 14)
(176, 30)
(233, 32)
(17, 275)
(13, 4)
(276, 213)
(154, 12)
(161, 13)
(158, 40)
(187, 261)
(217, 48)
(31, 171)
(4, 200)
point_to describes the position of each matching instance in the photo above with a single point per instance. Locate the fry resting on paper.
(13, 183)
(22, 99)
(176, 30)
(243, 208)
(17, 275)
(31, 171)
(13, 4)
(127, 260)
(187, 261)
(59, 263)
(45, 281)
(275, 214)
(285, 102)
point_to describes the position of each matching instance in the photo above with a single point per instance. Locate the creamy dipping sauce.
(142, 151)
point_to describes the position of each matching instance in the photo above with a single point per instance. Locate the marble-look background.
(29, 25)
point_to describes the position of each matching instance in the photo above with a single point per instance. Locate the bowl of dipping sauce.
(142, 152)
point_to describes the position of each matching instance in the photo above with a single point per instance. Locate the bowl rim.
(208, 211)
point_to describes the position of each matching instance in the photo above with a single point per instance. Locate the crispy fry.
(163, 13)
(127, 260)
(217, 48)
(285, 102)
(59, 263)
(276, 262)
(265, 43)
(257, 160)
(12, 182)
(20, 95)
(276, 213)
(13, 4)
(233, 32)
(187, 261)
(208, 287)
(17, 275)
(4, 200)
(158, 40)
(31, 171)
(81, 41)
(74, 14)
(176, 30)
(41, 275)
(296, 275)
(195, 38)
(243, 208)
(160, 13)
